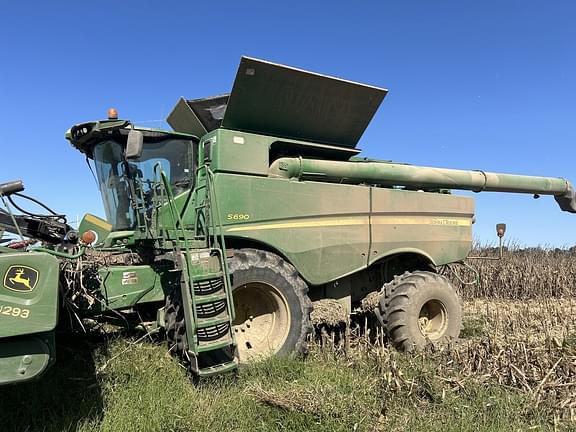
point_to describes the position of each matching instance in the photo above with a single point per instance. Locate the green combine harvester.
(224, 232)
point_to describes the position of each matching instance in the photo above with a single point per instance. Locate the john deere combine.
(225, 230)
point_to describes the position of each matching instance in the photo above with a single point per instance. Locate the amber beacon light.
(112, 114)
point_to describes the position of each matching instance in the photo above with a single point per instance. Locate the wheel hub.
(433, 319)
(262, 320)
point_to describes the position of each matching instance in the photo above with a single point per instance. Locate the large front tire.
(272, 305)
(420, 308)
(175, 325)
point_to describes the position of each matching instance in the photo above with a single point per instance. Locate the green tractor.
(224, 232)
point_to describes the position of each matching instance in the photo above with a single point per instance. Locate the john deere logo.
(21, 278)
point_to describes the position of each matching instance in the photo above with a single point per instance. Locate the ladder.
(205, 292)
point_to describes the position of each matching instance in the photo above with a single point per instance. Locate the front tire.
(175, 325)
(272, 305)
(420, 308)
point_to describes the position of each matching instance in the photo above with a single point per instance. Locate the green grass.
(473, 327)
(100, 385)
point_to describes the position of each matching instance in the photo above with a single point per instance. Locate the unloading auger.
(388, 174)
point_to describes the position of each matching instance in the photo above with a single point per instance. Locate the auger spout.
(419, 177)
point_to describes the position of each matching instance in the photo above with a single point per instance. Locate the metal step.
(213, 342)
(208, 286)
(210, 322)
(214, 345)
(204, 299)
(218, 369)
(207, 276)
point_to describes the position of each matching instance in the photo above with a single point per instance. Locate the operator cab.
(128, 183)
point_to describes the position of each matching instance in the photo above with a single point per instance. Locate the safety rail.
(204, 312)
(177, 225)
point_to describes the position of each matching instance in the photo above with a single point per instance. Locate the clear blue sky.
(478, 85)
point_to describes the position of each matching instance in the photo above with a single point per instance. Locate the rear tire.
(420, 308)
(272, 305)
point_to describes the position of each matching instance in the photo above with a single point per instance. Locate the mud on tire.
(419, 308)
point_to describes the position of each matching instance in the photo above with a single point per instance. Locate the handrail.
(212, 191)
(177, 220)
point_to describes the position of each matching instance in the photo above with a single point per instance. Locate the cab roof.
(83, 136)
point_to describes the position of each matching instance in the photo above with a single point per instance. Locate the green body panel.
(100, 227)
(28, 314)
(248, 153)
(124, 286)
(239, 152)
(120, 239)
(328, 231)
(24, 311)
(438, 226)
(26, 357)
(322, 229)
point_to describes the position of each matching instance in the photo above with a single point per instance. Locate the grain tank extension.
(224, 232)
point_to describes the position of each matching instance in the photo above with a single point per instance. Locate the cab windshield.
(123, 181)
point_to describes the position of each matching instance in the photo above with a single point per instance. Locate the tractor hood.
(277, 100)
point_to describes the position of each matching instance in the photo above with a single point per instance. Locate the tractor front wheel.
(272, 305)
(419, 308)
(175, 324)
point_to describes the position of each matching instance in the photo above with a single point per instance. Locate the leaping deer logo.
(20, 278)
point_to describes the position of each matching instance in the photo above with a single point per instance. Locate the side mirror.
(500, 229)
(134, 144)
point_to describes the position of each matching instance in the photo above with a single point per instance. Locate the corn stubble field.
(513, 369)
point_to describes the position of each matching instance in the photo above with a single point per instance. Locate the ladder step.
(208, 286)
(206, 276)
(203, 299)
(210, 322)
(214, 345)
(218, 369)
